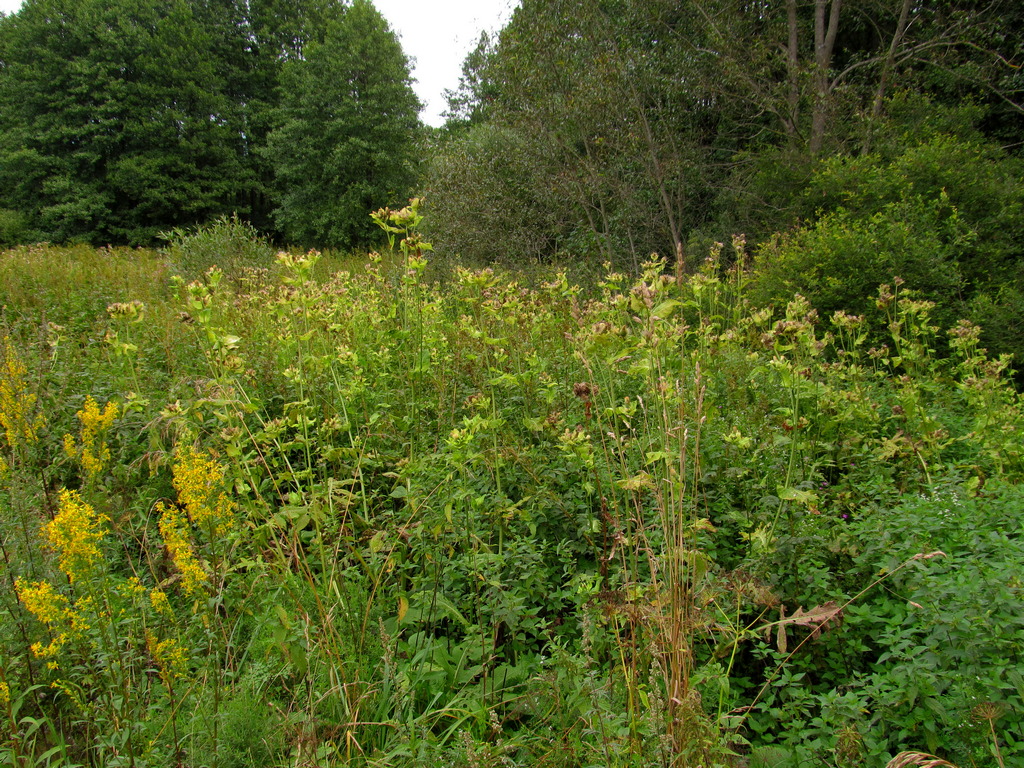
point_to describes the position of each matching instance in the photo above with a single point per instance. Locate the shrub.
(228, 242)
(13, 227)
(838, 262)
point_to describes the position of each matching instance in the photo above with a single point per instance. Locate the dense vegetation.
(119, 120)
(292, 515)
(878, 138)
(755, 502)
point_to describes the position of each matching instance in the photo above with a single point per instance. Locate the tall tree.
(651, 117)
(113, 119)
(347, 123)
(617, 120)
(823, 69)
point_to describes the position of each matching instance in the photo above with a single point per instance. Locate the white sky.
(436, 34)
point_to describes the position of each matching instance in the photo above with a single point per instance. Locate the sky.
(436, 34)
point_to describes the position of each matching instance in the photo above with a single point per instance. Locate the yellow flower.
(92, 451)
(158, 599)
(174, 530)
(133, 587)
(16, 402)
(5, 695)
(52, 650)
(75, 533)
(199, 481)
(56, 612)
(43, 601)
(170, 657)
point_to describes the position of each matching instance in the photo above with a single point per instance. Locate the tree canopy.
(123, 118)
(345, 132)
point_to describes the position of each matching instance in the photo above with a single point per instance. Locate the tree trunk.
(824, 44)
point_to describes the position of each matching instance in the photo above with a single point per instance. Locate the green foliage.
(231, 244)
(362, 519)
(976, 179)
(941, 212)
(490, 202)
(107, 122)
(343, 141)
(13, 227)
(639, 124)
(584, 130)
(122, 120)
(839, 261)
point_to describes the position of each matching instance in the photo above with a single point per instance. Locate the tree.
(251, 40)
(112, 119)
(822, 70)
(616, 126)
(346, 128)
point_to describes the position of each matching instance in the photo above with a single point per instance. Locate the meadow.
(312, 510)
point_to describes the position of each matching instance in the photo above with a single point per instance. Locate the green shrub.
(976, 180)
(838, 262)
(13, 227)
(228, 242)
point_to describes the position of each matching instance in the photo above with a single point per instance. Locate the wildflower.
(158, 599)
(75, 533)
(42, 601)
(92, 450)
(16, 402)
(132, 310)
(133, 587)
(5, 695)
(169, 655)
(53, 609)
(199, 481)
(174, 530)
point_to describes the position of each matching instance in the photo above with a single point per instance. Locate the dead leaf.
(780, 632)
(818, 618)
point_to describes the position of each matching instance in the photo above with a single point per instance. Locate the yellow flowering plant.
(199, 481)
(174, 530)
(91, 450)
(75, 534)
(107, 639)
(20, 418)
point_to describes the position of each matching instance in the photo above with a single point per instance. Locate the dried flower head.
(584, 390)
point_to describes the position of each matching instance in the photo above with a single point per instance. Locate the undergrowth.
(289, 516)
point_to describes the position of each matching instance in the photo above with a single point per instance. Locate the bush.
(976, 180)
(228, 243)
(13, 228)
(838, 262)
(489, 206)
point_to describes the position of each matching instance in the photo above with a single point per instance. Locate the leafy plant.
(229, 243)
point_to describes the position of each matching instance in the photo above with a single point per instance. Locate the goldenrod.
(199, 481)
(158, 599)
(169, 655)
(43, 601)
(17, 403)
(52, 609)
(75, 534)
(92, 450)
(174, 530)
